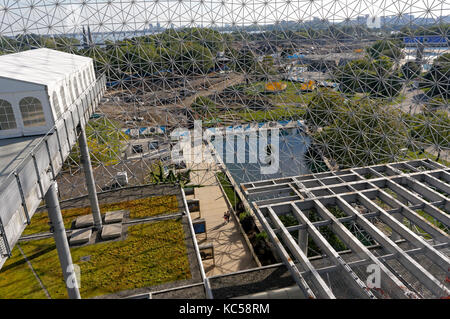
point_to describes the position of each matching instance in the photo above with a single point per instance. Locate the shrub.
(244, 215)
(262, 236)
(203, 105)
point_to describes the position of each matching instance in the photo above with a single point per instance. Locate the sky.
(63, 16)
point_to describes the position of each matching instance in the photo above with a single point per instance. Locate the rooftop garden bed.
(139, 208)
(152, 254)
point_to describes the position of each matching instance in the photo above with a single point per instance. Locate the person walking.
(226, 216)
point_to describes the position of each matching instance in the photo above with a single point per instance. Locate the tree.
(384, 87)
(203, 105)
(105, 139)
(366, 133)
(195, 59)
(436, 82)
(324, 108)
(373, 76)
(386, 48)
(431, 128)
(410, 70)
(245, 62)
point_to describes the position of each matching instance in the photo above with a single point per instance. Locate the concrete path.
(231, 251)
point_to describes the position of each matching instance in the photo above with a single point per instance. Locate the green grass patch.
(292, 93)
(152, 254)
(275, 114)
(433, 221)
(229, 189)
(17, 280)
(388, 101)
(139, 208)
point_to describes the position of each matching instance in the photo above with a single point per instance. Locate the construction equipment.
(308, 86)
(275, 87)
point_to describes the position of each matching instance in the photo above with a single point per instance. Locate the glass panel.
(32, 112)
(7, 119)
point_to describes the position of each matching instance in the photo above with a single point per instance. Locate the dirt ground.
(162, 104)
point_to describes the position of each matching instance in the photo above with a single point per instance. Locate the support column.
(89, 176)
(62, 245)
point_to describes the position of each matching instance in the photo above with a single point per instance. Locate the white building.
(37, 87)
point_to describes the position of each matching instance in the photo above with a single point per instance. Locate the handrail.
(209, 294)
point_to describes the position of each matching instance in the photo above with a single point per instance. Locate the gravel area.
(196, 292)
(251, 282)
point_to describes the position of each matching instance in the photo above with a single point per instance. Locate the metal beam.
(430, 209)
(318, 238)
(406, 233)
(397, 287)
(324, 290)
(409, 263)
(408, 213)
(295, 272)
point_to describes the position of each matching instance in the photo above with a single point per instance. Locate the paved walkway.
(231, 251)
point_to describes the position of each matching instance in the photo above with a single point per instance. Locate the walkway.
(231, 251)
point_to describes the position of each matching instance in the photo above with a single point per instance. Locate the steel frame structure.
(401, 207)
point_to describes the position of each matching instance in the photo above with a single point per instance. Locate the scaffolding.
(352, 225)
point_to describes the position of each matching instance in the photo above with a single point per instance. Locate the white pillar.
(89, 176)
(62, 245)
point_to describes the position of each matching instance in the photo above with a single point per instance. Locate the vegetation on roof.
(139, 208)
(152, 254)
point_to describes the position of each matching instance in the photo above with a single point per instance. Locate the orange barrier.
(275, 86)
(308, 86)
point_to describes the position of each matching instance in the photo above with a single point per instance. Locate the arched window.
(32, 112)
(7, 119)
(56, 105)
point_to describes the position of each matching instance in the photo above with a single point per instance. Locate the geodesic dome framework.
(379, 70)
(356, 84)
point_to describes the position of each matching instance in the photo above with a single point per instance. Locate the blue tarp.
(296, 56)
(426, 39)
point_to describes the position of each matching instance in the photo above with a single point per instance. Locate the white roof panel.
(41, 66)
